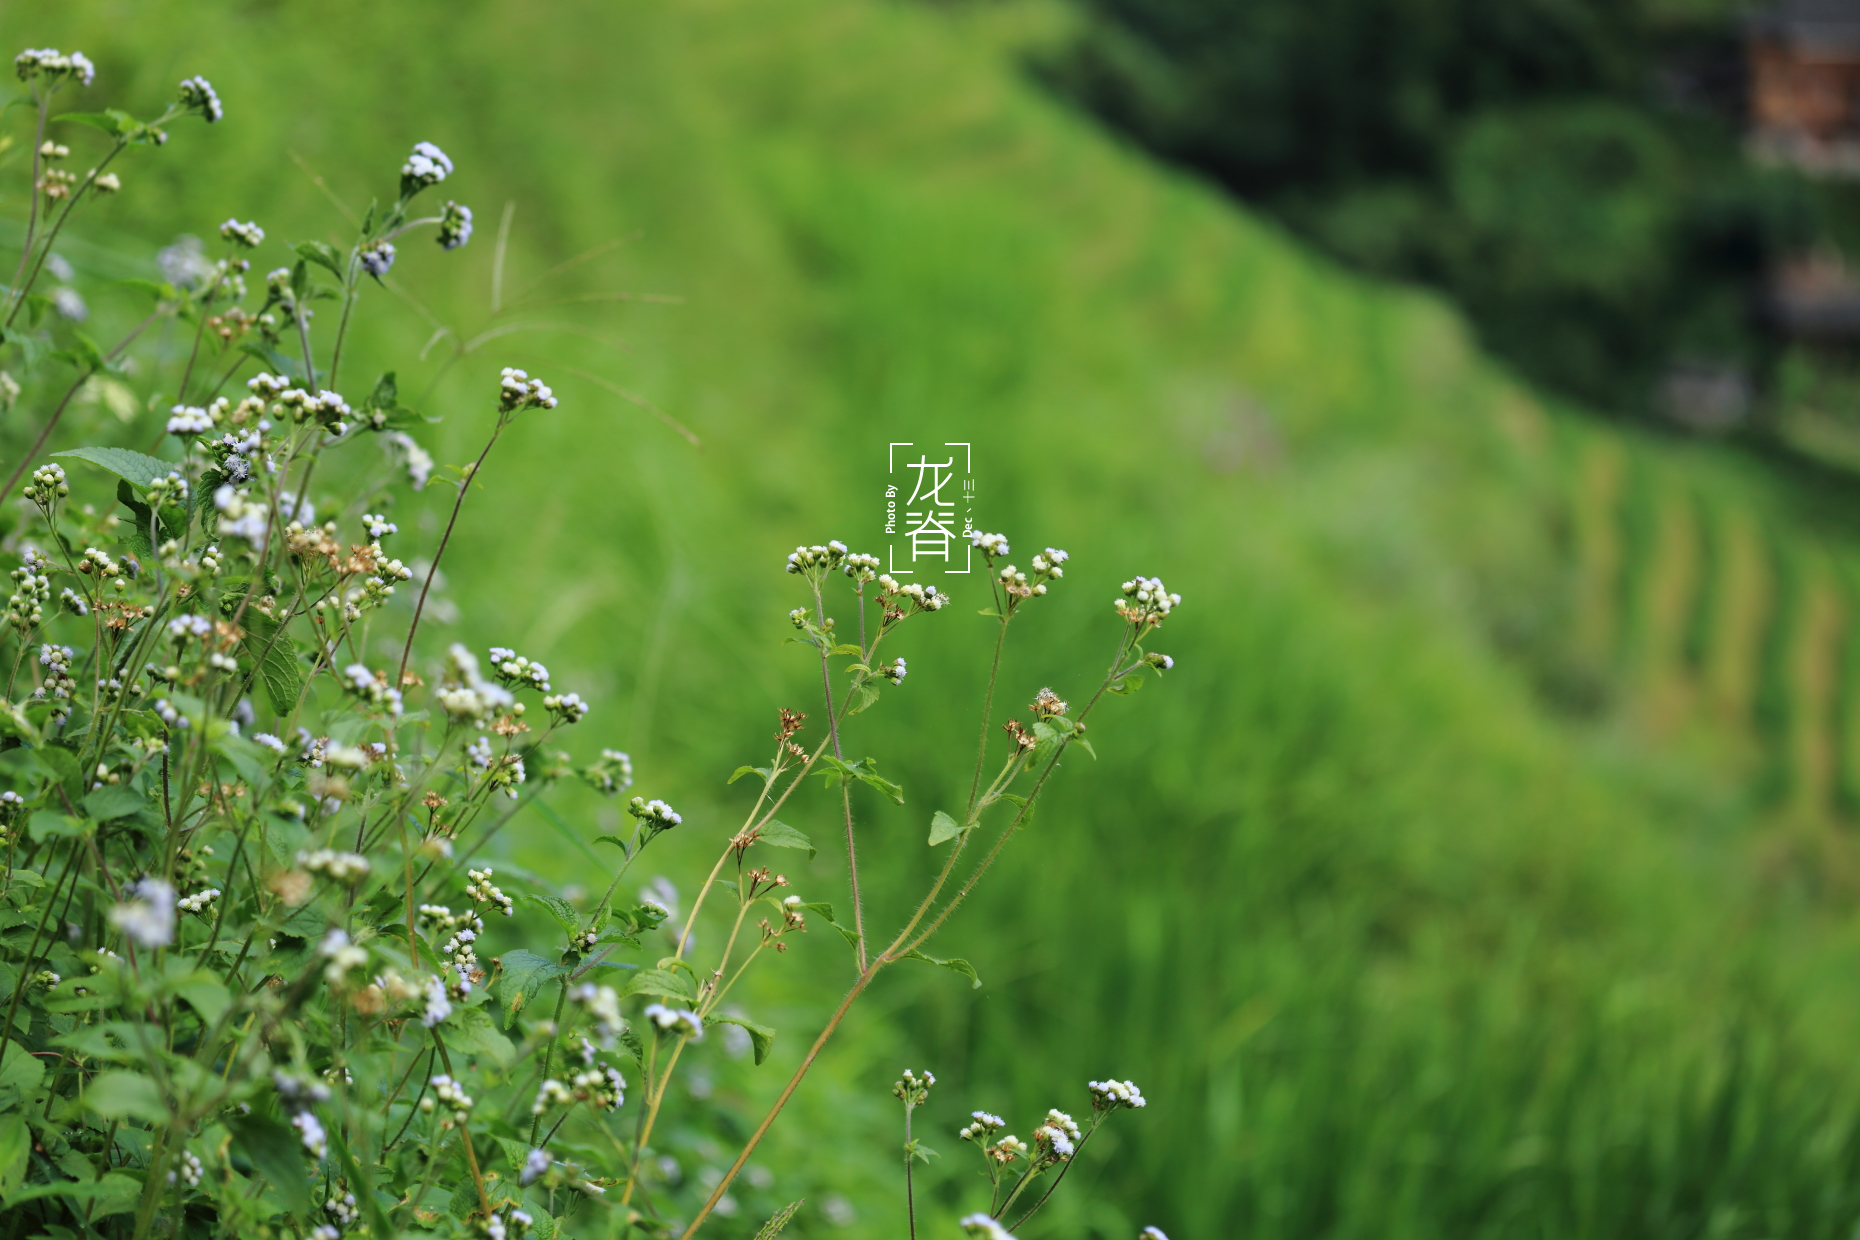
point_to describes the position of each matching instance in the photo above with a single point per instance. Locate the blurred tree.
(1568, 169)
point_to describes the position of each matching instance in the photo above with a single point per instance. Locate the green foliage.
(1416, 930)
(1512, 155)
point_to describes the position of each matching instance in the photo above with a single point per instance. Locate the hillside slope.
(1397, 939)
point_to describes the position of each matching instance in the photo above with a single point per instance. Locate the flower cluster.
(513, 669)
(613, 774)
(32, 590)
(185, 420)
(189, 1171)
(1057, 1138)
(913, 1090)
(248, 234)
(448, 1093)
(51, 65)
(346, 868)
(377, 258)
(482, 891)
(682, 1021)
(654, 815)
(454, 226)
(427, 165)
(147, 917)
(1146, 601)
(48, 485)
(199, 901)
(982, 1126)
(1018, 586)
(372, 689)
(979, 1224)
(1111, 1095)
(904, 598)
(198, 95)
(566, 708)
(602, 1003)
(519, 391)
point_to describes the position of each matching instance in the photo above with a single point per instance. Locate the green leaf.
(524, 975)
(115, 1193)
(614, 934)
(749, 770)
(761, 1037)
(1128, 685)
(943, 828)
(863, 697)
(844, 648)
(205, 993)
(542, 1223)
(61, 762)
(954, 963)
(114, 121)
(276, 1153)
(615, 840)
(113, 801)
(644, 916)
(781, 835)
(22, 1073)
(836, 773)
(48, 825)
(126, 1095)
(84, 353)
(160, 290)
(141, 518)
(470, 1030)
(15, 1144)
(13, 720)
(278, 363)
(386, 394)
(872, 779)
(558, 908)
(274, 653)
(205, 490)
(662, 983)
(136, 468)
(322, 253)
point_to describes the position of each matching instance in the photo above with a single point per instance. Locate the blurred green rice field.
(1485, 868)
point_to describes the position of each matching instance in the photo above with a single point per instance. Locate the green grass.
(1396, 946)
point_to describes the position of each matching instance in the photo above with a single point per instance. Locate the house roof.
(1811, 25)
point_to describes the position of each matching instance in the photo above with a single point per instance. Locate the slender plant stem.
(25, 970)
(420, 607)
(910, 1156)
(561, 1000)
(833, 733)
(471, 1155)
(988, 707)
(303, 337)
(16, 293)
(794, 1083)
